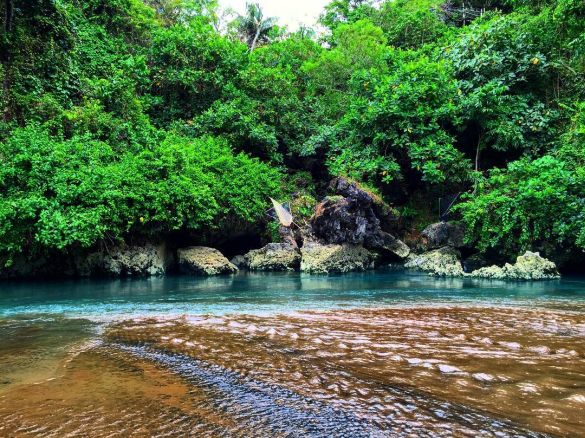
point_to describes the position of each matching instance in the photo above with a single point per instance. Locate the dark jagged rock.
(443, 234)
(350, 217)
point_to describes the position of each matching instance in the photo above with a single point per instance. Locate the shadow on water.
(269, 410)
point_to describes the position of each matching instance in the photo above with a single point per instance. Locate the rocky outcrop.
(329, 258)
(530, 266)
(122, 260)
(442, 234)
(200, 260)
(274, 257)
(441, 262)
(126, 260)
(445, 262)
(350, 218)
(22, 267)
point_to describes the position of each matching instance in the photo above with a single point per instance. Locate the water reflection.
(252, 293)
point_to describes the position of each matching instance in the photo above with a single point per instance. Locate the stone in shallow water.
(511, 345)
(448, 369)
(530, 266)
(483, 377)
(578, 398)
(528, 387)
(541, 349)
(441, 262)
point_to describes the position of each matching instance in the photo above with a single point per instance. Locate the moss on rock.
(323, 259)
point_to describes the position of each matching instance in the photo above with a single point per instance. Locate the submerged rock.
(200, 260)
(441, 262)
(274, 257)
(443, 234)
(350, 217)
(530, 266)
(322, 259)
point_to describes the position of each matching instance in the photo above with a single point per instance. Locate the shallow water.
(374, 354)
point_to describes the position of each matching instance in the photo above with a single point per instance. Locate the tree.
(253, 27)
(7, 29)
(395, 123)
(177, 11)
(346, 11)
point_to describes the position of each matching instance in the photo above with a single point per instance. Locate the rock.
(120, 260)
(343, 220)
(200, 260)
(40, 266)
(274, 257)
(128, 260)
(483, 377)
(448, 369)
(492, 272)
(239, 262)
(443, 234)
(322, 259)
(474, 262)
(441, 262)
(350, 217)
(387, 242)
(530, 266)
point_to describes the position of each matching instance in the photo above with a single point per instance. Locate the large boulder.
(441, 262)
(350, 217)
(322, 259)
(274, 257)
(530, 266)
(200, 260)
(128, 260)
(443, 234)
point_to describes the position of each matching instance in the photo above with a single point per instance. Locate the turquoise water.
(258, 293)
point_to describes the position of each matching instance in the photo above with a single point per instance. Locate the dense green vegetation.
(147, 117)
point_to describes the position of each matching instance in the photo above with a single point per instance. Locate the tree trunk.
(477, 150)
(255, 40)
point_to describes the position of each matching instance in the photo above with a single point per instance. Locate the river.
(369, 354)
